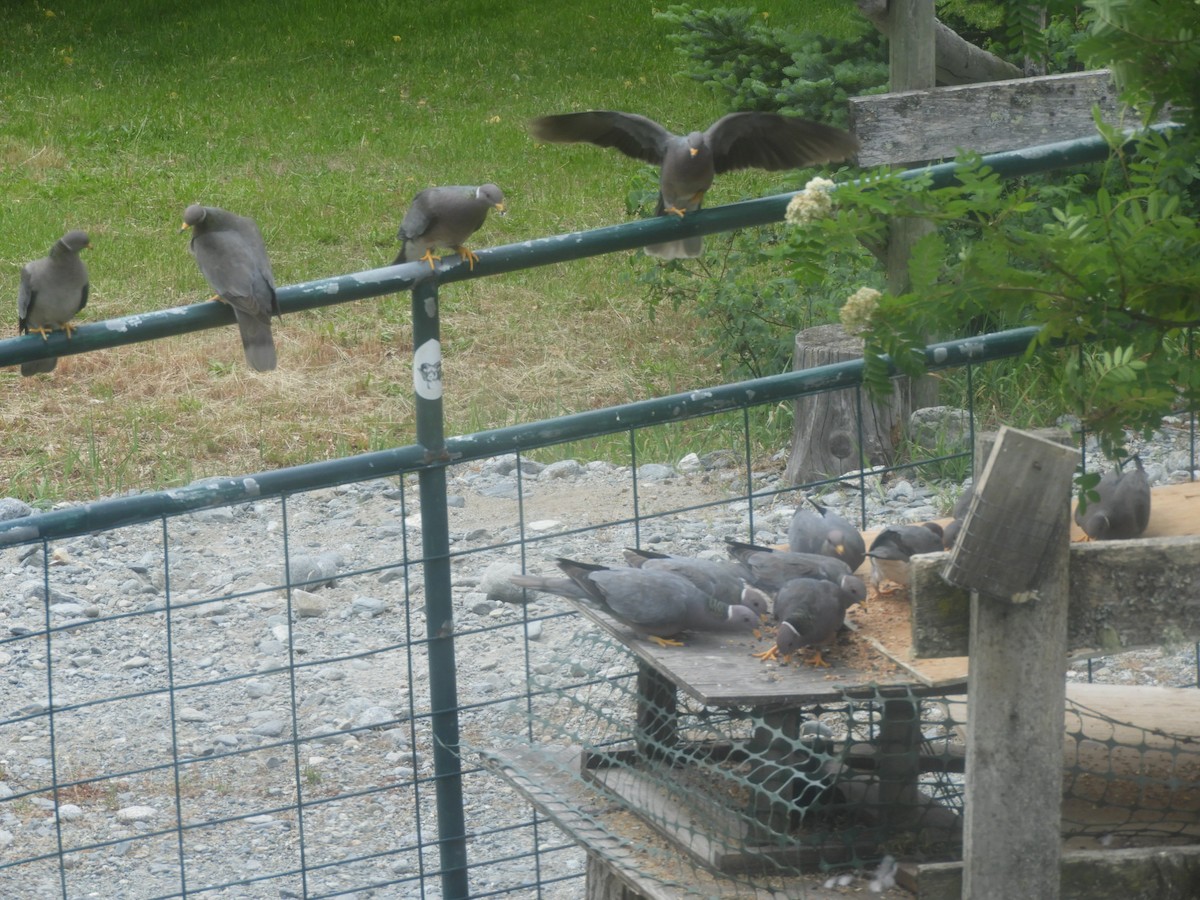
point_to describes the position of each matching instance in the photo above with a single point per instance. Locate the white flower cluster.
(814, 202)
(858, 309)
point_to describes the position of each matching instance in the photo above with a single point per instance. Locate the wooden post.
(911, 68)
(1012, 554)
(957, 61)
(899, 747)
(655, 732)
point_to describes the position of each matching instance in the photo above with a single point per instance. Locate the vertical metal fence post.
(439, 614)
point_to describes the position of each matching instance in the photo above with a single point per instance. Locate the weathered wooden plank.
(957, 61)
(1020, 504)
(1016, 691)
(719, 670)
(1122, 595)
(913, 126)
(1151, 873)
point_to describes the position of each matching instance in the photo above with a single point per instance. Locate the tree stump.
(826, 441)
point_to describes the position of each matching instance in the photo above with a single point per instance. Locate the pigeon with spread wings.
(688, 163)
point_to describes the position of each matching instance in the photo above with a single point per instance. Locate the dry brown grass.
(160, 414)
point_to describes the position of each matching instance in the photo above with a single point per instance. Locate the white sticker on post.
(427, 370)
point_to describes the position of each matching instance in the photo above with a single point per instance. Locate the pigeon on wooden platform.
(961, 507)
(1123, 508)
(769, 569)
(724, 580)
(52, 291)
(688, 163)
(446, 217)
(232, 256)
(656, 605)
(894, 546)
(827, 533)
(809, 611)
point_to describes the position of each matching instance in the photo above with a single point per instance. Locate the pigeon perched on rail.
(1123, 508)
(809, 612)
(827, 533)
(230, 252)
(689, 162)
(770, 570)
(656, 605)
(53, 290)
(894, 546)
(445, 217)
(725, 581)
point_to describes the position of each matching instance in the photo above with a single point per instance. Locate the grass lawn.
(321, 121)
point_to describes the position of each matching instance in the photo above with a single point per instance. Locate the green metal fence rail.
(116, 512)
(527, 254)
(435, 452)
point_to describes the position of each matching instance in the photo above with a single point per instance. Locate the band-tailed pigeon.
(894, 546)
(656, 605)
(230, 252)
(827, 533)
(809, 612)
(724, 580)
(1123, 510)
(770, 570)
(961, 507)
(445, 217)
(689, 162)
(53, 290)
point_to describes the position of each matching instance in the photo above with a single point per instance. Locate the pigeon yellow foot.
(818, 660)
(770, 653)
(467, 255)
(664, 642)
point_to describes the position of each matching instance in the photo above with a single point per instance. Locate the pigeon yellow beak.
(184, 227)
(501, 210)
(692, 151)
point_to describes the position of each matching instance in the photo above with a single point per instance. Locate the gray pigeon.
(445, 217)
(827, 533)
(770, 570)
(230, 252)
(657, 605)
(809, 611)
(961, 507)
(725, 581)
(1123, 510)
(53, 290)
(894, 546)
(689, 162)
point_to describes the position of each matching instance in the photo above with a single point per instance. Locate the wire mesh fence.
(235, 701)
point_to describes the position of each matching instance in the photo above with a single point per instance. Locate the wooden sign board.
(1017, 519)
(919, 126)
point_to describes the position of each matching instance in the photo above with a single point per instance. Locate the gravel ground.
(359, 692)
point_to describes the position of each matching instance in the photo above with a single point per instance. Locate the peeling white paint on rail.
(372, 276)
(123, 325)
